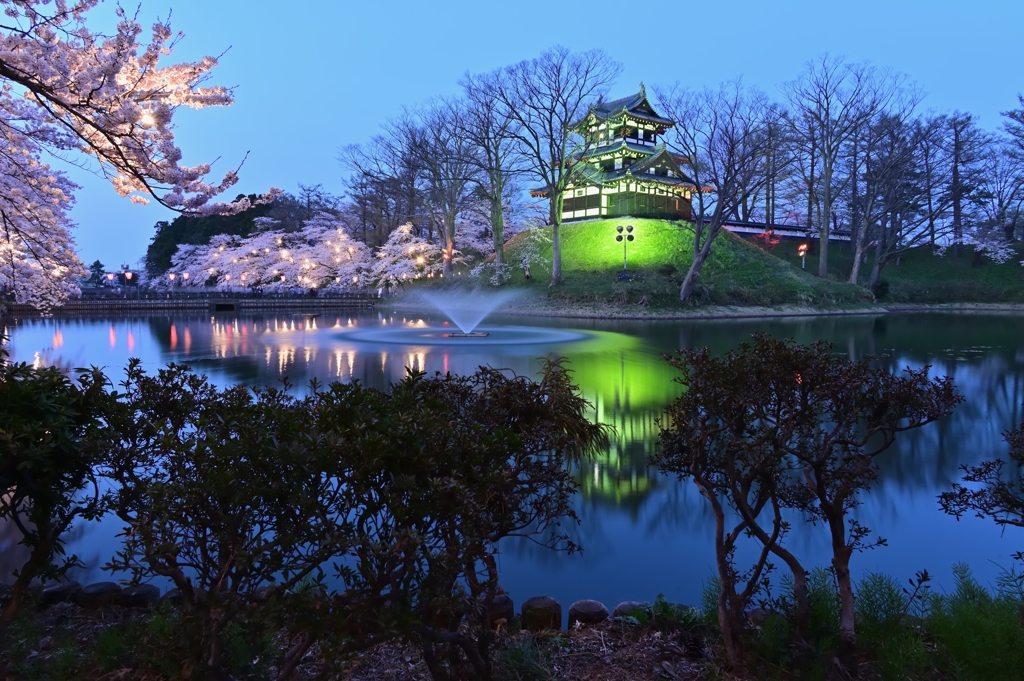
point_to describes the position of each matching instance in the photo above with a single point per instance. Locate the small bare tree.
(723, 134)
(547, 96)
(720, 435)
(776, 425)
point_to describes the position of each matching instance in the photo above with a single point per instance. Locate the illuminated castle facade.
(623, 167)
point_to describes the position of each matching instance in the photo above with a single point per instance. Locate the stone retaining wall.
(540, 613)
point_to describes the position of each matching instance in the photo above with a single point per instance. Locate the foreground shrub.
(777, 426)
(49, 464)
(980, 634)
(246, 498)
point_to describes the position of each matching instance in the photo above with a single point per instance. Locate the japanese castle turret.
(623, 167)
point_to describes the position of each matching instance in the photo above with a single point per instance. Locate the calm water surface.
(642, 533)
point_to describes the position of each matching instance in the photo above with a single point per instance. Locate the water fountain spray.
(467, 310)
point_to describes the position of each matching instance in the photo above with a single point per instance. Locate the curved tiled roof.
(635, 106)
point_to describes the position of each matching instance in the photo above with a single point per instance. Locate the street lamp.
(624, 238)
(128, 282)
(802, 252)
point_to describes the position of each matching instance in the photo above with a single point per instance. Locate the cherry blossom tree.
(992, 243)
(38, 263)
(406, 256)
(526, 219)
(67, 91)
(320, 255)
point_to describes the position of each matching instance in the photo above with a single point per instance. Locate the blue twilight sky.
(315, 75)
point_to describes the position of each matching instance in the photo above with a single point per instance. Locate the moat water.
(642, 533)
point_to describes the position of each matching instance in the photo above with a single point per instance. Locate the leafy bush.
(243, 498)
(49, 464)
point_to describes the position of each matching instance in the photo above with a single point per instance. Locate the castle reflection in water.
(626, 381)
(642, 532)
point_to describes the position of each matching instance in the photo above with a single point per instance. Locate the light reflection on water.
(642, 533)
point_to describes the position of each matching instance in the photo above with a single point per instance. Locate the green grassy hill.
(922, 277)
(737, 273)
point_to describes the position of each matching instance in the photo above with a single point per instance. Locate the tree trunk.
(728, 622)
(803, 605)
(1003, 221)
(855, 221)
(810, 210)
(498, 233)
(847, 626)
(446, 268)
(956, 192)
(876, 267)
(860, 249)
(36, 560)
(699, 256)
(556, 243)
(826, 214)
(931, 211)
(449, 246)
(858, 254)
